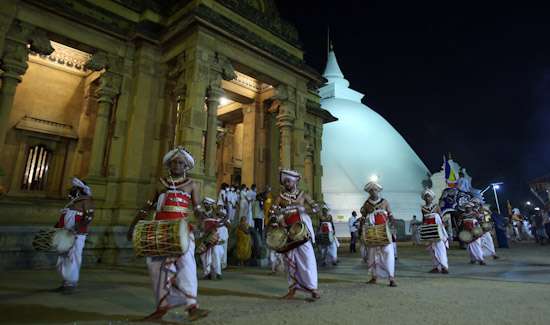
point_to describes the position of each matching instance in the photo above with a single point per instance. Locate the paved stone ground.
(512, 290)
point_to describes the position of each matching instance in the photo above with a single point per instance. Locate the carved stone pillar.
(106, 94)
(14, 64)
(20, 38)
(212, 103)
(109, 88)
(285, 123)
(308, 168)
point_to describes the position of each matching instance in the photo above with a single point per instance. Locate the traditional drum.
(469, 224)
(376, 235)
(277, 238)
(325, 236)
(291, 215)
(58, 240)
(487, 226)
(431, 232)
(161, 238)
(465, 236)
(211, 238)
(477, 232)
(298, 232)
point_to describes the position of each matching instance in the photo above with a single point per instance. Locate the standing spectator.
(257, 213)
(538, 222)
(244, 206)
(352, 224)
(413, 228)
(244, 242)
(223, 201)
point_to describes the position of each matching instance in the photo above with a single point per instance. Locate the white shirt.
(351, 224)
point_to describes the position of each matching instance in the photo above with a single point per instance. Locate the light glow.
(225, 101)
(373, 178)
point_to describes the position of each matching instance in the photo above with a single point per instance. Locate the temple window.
(36, 168)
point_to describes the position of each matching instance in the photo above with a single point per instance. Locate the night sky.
(467, 78)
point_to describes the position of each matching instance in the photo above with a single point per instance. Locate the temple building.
(362, 146)
(102, 89)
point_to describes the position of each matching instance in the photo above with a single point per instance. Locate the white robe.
(381, 259)
(300, 262)
(245, 209)
(176, 283)
(488, 245)
(224, 236)
(232, 203)
(68, 264)
(438, 249)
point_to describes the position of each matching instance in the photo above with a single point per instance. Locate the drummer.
(487, 243)
(174, 279)
(431, 214)
(381, 259)
(76, 216)
(300, 261)
(469, 223)
(329, 250)
(212, 256)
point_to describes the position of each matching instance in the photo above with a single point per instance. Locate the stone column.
(285, 122)
(14, 65)
(212, 103)
(106, 94)
(308, 168)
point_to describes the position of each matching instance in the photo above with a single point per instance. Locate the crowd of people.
(242, 221)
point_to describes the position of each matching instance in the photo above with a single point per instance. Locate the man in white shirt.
(352, 224)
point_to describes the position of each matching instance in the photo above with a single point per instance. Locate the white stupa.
(361, 146)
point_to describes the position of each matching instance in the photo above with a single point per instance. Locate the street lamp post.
(495, 188)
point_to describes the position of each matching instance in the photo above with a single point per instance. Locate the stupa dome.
(360, 146)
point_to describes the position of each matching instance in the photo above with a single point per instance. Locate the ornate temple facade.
(102, 89)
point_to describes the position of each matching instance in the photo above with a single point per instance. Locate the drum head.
(63, 240)
(477, 232)
(276, 238)
(297, 231)
(465, 236)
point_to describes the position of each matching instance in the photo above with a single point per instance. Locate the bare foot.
(290, 295)
(197, 313)
(434, 270)
(372, 281)
(392, 283)
(156, 315)
(445, 271)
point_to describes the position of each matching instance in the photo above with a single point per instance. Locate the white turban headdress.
(515, 211)
(80, 184)
(291, 174)
(428, 192)
(373, 186)
(181, 152)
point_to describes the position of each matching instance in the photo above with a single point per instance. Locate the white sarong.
(300, 262)
(329, 253)
(381, 261)
(438, 249)
(302, 268)
(475, 250)
(488, 245)
(175, 284)
(68, 264)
